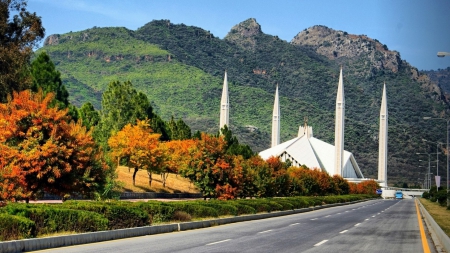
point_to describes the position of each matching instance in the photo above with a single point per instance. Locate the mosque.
(314, 153)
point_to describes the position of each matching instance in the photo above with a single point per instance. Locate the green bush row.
(30, 220)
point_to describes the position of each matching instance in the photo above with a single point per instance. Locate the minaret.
(224, 105)
(339, 127)
(276, 121)
(383, 138)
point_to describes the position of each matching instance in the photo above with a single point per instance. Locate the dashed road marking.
(294, 224)
(367, 219)
(327, 216)
(314, 219)
(373, 216)
(343, 231)
(357, 224)
(265, 231)
(219, 242)
(320, 243)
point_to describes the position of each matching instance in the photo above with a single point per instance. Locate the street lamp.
(442, 54)
(429, 167)
(438, 180)
(447, 120)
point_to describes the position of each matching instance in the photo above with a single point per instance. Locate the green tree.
(45, 76)
(233, 147)
(179, 130)
(89, 116)
(19, 34)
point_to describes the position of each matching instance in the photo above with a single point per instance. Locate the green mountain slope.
(181, 68)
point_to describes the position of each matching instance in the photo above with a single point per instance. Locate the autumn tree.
(42, 152)
(207, 167)
(177, 152)
(138, 145)
(19, 34)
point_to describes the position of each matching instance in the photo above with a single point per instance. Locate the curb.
(91, 237)
(435, 228)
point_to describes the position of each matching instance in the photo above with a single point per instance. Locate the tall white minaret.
(339, 128)
(383, 138)
(224, 105)
(276, 121)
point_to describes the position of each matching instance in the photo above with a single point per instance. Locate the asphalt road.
(372, 226)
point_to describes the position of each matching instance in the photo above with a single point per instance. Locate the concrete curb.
(84, 238)
(435, 228)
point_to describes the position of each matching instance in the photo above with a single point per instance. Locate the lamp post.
(429, 167)
(443, 54)
(447, 120)
(437, 161)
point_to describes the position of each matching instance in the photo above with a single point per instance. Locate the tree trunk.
(149, 178)
(134, 176)
(164, 178)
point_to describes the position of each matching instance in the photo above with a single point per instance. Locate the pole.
(447, 165)
(429, 171)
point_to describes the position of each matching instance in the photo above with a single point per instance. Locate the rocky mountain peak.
(243, 34)
(52, 40)
(338, 44)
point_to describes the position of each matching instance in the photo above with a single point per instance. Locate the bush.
(119, 214)
(222, 207)
(52, 220)
(194, 209)
(15, 227)
(241, 208)
(158, 212)
(181, 216)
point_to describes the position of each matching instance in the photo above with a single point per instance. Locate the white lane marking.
(294, 224)
(320, 243)
(357, 224)
(346, 211)
(378, 213)
(373, 216)
(219, 242)
(314, 219)
(367, 219)
(353, 209)
(343, 231)
(382, 211)
(338, 213)
(328, 216)
(265, 231)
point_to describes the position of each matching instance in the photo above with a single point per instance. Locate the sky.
(417, 29)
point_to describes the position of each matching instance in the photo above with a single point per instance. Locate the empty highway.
(372, 226)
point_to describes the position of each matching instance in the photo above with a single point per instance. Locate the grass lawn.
(440, 214)
(174, 183)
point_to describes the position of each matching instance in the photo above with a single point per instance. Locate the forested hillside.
(180, 68)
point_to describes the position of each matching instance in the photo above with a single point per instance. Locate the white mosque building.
(314, 153)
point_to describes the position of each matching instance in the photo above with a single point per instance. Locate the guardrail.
(440, 234)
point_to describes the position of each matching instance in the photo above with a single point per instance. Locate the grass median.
(439, 213)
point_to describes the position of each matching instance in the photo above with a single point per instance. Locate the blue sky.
(416, 29)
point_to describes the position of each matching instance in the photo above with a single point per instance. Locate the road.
(372, 226)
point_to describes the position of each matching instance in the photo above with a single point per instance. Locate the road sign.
(379, 191)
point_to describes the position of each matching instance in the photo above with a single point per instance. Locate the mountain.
(180, 68)
(441, 78)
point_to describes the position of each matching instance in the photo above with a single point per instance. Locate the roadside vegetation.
(20, 221)
(435, 201)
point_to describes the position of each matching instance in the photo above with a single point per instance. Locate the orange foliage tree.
(177, 152)
(139, 146)
(40, 151)
(365, 187)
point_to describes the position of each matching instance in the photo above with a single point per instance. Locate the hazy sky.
(416, 29)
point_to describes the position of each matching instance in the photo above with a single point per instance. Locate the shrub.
(15, 227)
(222, 207)
(181, 216)
(119, 215)
(194, 209)
(158, 212)
(241, 208)
(51, 220)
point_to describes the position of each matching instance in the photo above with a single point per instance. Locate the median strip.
(320, 243)
(218, 242)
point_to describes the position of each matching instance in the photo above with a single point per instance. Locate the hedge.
(15, 227)
(49, 219)
(118, 215)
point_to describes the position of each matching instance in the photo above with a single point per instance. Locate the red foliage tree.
(41, 152)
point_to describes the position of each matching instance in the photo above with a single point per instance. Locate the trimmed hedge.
(48, 219)
(118, 215)
(194, 209)
(15, 227)
(157, 212)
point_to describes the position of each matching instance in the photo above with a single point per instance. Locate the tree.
(42, 152)
(233, 147)
(177, 152)
(138, 145)
(46, 77)
(179, 130)
(88, 115)
(18, 36)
